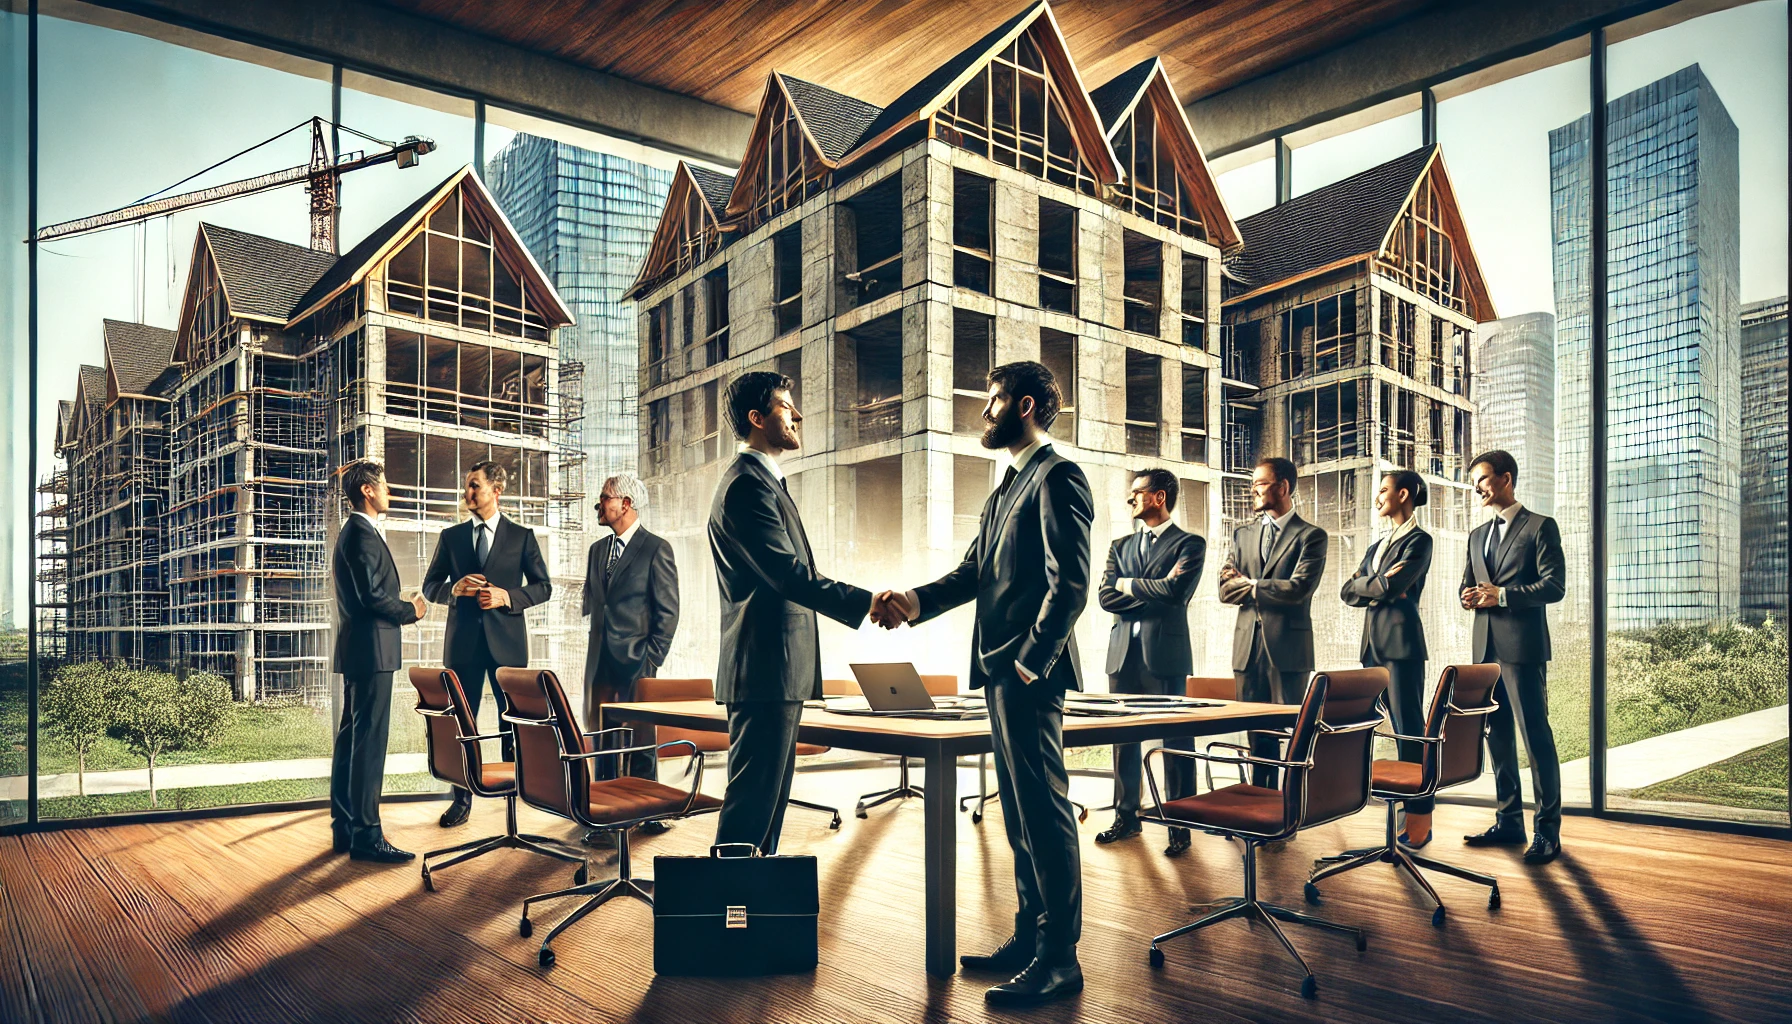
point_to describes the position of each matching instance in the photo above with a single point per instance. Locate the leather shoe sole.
(1496, 837)
(389, 855)
(1179, 843)
(1119, 831)
(1011, 994)
(1542, 852)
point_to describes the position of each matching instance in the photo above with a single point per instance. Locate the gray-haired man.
(631, 595)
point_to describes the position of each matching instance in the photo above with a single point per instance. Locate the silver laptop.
(893, 686)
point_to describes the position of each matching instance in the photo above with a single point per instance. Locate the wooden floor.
(249, 919)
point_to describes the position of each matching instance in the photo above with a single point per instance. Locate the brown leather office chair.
(712, 742)
(937, 686)
(1325, 776)
(455, 758)
(1213, 688)
(1452, 756)
(553, 774)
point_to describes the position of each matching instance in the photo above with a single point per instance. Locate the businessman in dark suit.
(1388, 586)
(770, 660)
(488, 570)
(1028, 571)
(369, 614)
(1515, 571)
(1271, 573)
(1150, 576)
(631, 597)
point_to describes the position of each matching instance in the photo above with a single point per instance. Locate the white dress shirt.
(375, 523)
(1124, 583)
(765, 460)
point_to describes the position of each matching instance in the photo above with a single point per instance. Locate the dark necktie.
(615, 556)
(1007, 481)
(784, 482)
(482, 544)
(1493, 541)
(1268, 544)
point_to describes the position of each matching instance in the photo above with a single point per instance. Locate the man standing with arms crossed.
(488, 571)
(1150, 576)
(1271, 573)
(369, 614)
(1028, 571)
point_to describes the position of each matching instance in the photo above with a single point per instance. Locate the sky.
(160, 112)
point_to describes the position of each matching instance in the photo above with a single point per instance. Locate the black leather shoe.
(600, 838)
(1543, 850)
(1178, 843)
(653, 828)
(380, 852)
(1013, 955)
(458, 809)
(1498, 835)
(1040, 982)
(1125, 826)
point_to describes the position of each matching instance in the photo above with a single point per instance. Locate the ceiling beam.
(381, 41)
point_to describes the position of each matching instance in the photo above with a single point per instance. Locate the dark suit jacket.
(770, 590)
(1028, 571)
(513, 563)
(369, 611)
(1161, 587)
(634, 615)
(1532, 569)
(1283, 602)
(1392, 629)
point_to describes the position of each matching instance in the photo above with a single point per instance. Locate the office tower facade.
(588, 217)
(1513, 370)
(1674, 376)
(1764, 455)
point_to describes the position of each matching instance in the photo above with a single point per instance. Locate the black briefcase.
(734, 912)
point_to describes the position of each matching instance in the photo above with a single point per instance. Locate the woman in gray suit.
(1387, 586)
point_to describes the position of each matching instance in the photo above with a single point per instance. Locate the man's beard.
(1006, 430)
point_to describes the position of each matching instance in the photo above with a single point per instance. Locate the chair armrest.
(487, 736)
(614, 728)
(1414, 739)
(1241, 748)
(1491, 707)
(434, 712)
(1350, 727)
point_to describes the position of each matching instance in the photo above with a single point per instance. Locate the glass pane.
(16, 404)
(1696, 454)
(1390, 130)
(1247, 187)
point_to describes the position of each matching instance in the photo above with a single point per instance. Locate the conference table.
(939, 744)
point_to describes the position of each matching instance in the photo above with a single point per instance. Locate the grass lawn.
(1754, 779)
(197, 797)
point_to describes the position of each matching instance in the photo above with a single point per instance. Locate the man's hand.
(1395, 571)
(1235, 590)
(421, 605)
(468, 585)
(890, 609)
(1227, 573)
(494, 597)
(1481, 595)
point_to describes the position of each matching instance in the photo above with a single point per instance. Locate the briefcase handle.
(716, 850)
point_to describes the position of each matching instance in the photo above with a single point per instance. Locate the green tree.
(158, 713)
(78, 707)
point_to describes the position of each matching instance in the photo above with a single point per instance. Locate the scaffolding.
(52, 566)
(117, 489)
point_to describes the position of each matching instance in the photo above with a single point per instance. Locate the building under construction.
(201, 508)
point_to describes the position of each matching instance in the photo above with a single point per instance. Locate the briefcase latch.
(737, 917)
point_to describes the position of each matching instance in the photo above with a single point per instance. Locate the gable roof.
(136, 354)
(357, 263)
(263, 278)
(65, 411)
(1117, 99)
(920, 100)
(834, 120)
(90, 397)
(713, 186)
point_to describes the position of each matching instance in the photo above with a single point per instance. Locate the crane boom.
(404, 154)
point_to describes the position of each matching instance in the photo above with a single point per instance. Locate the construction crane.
(321, 176)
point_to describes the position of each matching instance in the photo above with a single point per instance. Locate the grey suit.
(1529, 565)
(1272, 643)
(633, 607)
(1164, 573)
(1394, 634)
(770, 658)
(1028, 571)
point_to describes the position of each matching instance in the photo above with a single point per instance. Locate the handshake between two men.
(892, 608)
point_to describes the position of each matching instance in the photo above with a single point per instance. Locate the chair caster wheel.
(1362, 942)
(1493, 900)
(835, 824)
(976, 817)
(1084, 816)
(546, 958)
(859, 814)
(1312, 893)
(1309, 987)
(1437, 918)
(526, 928)
(429, 884)
(1157, 957)
(581, 876)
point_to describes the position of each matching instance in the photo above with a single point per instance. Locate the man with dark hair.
(770, 659)
(369, 614)
(1515, 571)
(1270, 574)
(488, 570)
(1028, 571)
(1150, 576)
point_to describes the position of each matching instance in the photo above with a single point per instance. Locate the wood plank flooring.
(251, 919)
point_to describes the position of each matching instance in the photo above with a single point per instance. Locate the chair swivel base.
(1391, 852)
(884, 796)
(540, 845)
(599, 893)
(835, 811)
(1082, 810)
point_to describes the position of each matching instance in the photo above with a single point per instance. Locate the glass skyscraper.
(1674, 384)
(1513, 382)
(1764, 454)
(588, 217)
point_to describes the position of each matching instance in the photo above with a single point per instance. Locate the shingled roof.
(1327, 226)
(344, 270)
(715, 186)
(263, 277)
(136, 354)
(90, 391)
(1115, 97)
(835, 120)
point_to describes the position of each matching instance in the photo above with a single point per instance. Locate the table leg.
(940, 805)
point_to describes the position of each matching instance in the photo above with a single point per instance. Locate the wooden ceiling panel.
(722, 50)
